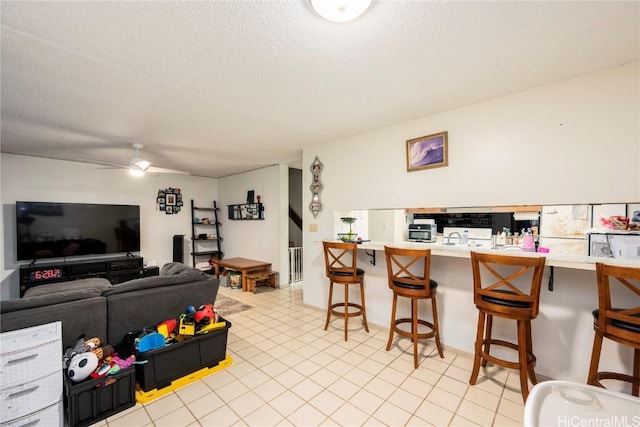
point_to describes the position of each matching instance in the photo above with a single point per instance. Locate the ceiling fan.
(138, 166)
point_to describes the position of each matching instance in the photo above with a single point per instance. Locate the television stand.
(115, 269)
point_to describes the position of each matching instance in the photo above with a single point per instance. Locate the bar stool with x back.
(502, 298)
(340, 261)
(621, 325)
(408, 272)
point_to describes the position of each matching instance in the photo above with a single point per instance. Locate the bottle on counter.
(528, 244)
(465, 237)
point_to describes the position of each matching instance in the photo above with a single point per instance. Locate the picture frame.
(427, 152)
(171, 199)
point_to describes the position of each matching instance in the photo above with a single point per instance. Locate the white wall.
(575, 141)
(255, 239)
(36, 179)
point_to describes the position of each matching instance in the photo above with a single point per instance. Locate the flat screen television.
(58, 230)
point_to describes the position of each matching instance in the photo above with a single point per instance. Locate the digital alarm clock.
(45, 274)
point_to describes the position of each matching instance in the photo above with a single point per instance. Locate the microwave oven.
(423, 232)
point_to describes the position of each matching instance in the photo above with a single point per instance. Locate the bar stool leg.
(414, 331)
(522, 358)
(364, 310)
(478, 348)
(635, 389)
(487, 338)
(326, 324)
(346, 311)
(595, 360)
(392, 326)
(436, 325)
(530, 367)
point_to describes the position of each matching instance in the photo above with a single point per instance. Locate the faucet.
(449, 238)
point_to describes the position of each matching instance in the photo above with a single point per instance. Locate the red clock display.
(46, 274)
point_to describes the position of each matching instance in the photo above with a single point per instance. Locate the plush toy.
(123, 363)
(82, 346)
(82, 365)
(112, 365)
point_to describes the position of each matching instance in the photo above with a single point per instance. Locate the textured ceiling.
(221, 87)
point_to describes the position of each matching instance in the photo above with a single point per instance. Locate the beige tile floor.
(288, 371)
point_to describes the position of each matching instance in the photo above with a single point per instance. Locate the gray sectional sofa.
(95, 308)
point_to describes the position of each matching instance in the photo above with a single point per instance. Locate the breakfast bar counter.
(578, 262)
(562, 332)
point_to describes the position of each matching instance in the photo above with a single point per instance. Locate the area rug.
(226, 306)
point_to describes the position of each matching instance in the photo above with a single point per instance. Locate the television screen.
(52, 230)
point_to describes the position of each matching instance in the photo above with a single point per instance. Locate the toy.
(167, 328)
(82, 365)
(112, 365)
(82, 346)
(123, 363)
(186, 324)
(205, 315)
(207, 319)
(150, 342)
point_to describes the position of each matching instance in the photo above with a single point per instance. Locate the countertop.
(578, 262)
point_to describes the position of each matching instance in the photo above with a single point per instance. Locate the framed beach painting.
(427, 152)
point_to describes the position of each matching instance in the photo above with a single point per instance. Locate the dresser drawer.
(34, 336)
(50, 416)
(28, 397)
(21, 366)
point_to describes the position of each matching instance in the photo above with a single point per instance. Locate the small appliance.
(423, 232)
(614, 244)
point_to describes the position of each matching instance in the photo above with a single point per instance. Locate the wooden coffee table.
(243, 265)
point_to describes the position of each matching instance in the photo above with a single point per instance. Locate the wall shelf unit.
(205, 233)
(246, 211)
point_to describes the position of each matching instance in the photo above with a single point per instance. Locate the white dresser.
(31, 391)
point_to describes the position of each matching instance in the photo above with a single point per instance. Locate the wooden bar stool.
(408, 275)
(502, 298)
(340, 261)
(621, 325)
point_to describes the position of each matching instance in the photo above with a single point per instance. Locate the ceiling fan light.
(340, 10)
(140, 163)
(135, 170)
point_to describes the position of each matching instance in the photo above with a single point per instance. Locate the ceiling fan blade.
(103, 163)
(153, 169)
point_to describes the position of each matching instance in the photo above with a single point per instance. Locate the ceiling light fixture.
(138, 166)
(135, 170)
(340, 10)
(140, 163)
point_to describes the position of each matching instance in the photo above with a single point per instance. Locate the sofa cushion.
(91, 283)
(156, 282)
(8, 306)
(171, 268)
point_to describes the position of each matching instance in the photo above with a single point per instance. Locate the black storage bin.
(174, 361)
(92, 400)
